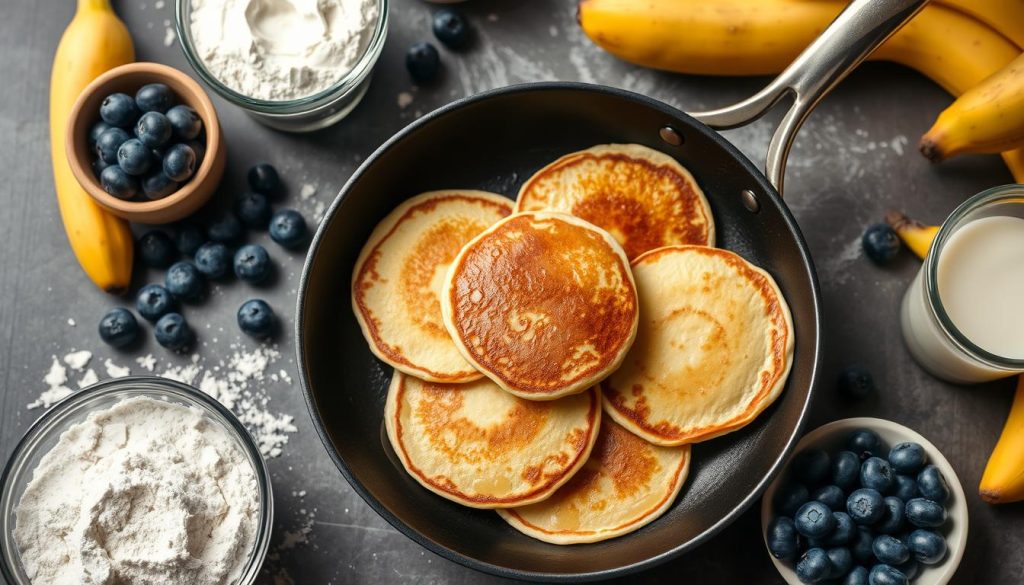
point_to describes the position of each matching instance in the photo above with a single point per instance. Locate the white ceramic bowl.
(831, 437)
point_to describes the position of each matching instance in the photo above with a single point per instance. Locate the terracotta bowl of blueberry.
(865, 501)
(144, 141)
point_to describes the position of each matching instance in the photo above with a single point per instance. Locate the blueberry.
(783, 540)
(256, 318)
(814, 566)
(184, 281)
(119, 327)
(179, 162)
(905, 487)
(198, 147)
(213, 259)
(832, 496)
(156, 249)
(253, 209)
(927, 546)
(858, 576)
(119, 109)
(226, 229)
(865, 506)
(814, 520)
(119, 183)
(263, 178)
(865, 443)
(173, 332)
(911, 569)
(932, 485)
(925, 513)
(108, 142)
(153, 301)
(890, 550)
(252, 263)
(154, 97)
(423, 62)
(892, 520)
(811, 466)
(841, 560)
(97, 167)
(886, 575)
(153, 129)
(189, 237)
(789, 498)
(846, 469)
(288, 228)
(185, 122)
(451, 28)
(856, 382)
(881, 244)
(861, 546)
(907, 458)
(134, 158)
(875, 473)
(844, 532)
(94, 133)
(158, 185)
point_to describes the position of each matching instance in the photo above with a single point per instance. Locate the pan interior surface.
(494, 142)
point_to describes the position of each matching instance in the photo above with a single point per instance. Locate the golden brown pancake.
(626, 484)
(643, 197)
(482, 447)
(712, 351)
(542, 303)
(397, 280)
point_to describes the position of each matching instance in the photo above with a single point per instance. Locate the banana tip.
(930, 150)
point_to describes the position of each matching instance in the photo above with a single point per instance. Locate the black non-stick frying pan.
(494, 141)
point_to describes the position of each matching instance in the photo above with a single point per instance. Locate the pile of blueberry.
(860, 516)
(422, 59)
(147, 145)
(212, 258)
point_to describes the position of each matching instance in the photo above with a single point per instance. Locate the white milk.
(980, 275)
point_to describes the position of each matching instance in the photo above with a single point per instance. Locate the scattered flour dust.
(237, 382)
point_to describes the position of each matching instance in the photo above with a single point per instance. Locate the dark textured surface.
(854, 160)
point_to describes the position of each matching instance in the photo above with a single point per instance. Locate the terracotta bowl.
(128, 79)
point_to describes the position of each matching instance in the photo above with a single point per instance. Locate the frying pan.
(494, 141)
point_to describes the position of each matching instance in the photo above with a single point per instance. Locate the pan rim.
(424, 539)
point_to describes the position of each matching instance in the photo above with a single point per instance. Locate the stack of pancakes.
(512, 327)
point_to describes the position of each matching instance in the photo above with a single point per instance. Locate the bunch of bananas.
(972, 48)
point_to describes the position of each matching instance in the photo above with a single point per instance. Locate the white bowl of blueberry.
(865, 501)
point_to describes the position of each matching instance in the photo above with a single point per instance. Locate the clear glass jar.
(304, 114)
(43, 435)
(937, 344)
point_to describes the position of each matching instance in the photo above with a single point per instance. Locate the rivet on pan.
(671, 136)
(750, 201)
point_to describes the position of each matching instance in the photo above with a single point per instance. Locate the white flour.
(281, 49)
(144, 492)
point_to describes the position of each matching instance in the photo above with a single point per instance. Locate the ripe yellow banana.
(94, 42)
(1003, 480)
(915, 235)
(1004, 16)
(988, 118)
(761, 37)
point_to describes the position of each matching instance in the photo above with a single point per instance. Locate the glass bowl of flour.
(135, 480)
(294, 65)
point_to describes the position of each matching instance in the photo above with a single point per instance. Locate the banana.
(95, 41)
(1003, 480)
(988, 118)
(762, 37)
(915, 235)
(1004, 16)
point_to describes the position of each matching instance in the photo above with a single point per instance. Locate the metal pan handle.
(852, 36)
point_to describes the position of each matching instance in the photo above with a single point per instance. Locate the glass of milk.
(963, 315)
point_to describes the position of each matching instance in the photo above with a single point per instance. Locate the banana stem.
(85, 5)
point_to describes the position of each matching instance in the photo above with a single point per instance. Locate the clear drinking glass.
(304, 114)
(44, 434)
(938, 345)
